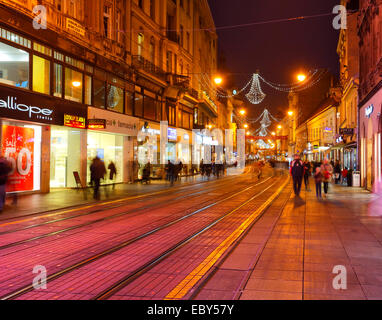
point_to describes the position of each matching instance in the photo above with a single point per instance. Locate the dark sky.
(279, 50)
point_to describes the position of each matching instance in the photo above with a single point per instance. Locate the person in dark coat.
(337, 172)
(307, 173)
(5, 169)
(297, 172)
(112, 172)
(97, 171)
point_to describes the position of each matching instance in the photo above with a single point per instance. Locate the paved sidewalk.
(311, 238)
(64, 198)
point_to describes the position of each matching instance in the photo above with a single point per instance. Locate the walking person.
(307, 168)
(318, 177)
(5, 169)
(97, 171)
(112, 173)
(297, 172)
(337, 172)
(327, 171)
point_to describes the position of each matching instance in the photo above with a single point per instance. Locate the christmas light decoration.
(255, 95)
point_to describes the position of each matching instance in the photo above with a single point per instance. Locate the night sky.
(279, 50)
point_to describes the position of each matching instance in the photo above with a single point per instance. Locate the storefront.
(370, 136)
(30, 138)
(114, 143)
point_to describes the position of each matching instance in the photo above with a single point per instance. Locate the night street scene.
(190, 154)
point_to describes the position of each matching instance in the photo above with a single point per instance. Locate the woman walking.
(318, 177)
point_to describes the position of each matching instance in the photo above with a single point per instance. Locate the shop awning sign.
(74, 121)
(97, 124)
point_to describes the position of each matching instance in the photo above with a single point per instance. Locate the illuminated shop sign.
(96, 124)
(369, 111)
(171, 133)
(32, 112)
(74, 121)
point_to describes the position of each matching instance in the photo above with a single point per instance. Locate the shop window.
(88, 90)
(57, 78)
(41, 75)
(73, 85)
(115, 98)
(129, 103)
(99, 94)
(138, 105)
(149, 108)
(14, 66)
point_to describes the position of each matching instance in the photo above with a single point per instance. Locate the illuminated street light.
(218, 80)
(279, 127)
(290, 113)
(242, 112)
(301, 77)
(246, 126)
(273, 133)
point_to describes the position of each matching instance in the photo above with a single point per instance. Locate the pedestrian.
(112, 173)
(5, 169)
(344, 175)
(318, 177)
(307, 168)
(327, 171)
(337, 172)
(97, 171)
(171, 172)
(146, 173)
(297, 172)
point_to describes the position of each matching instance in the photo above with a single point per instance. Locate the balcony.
(179, 80)
(141, 63)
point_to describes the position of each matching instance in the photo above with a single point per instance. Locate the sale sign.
(17, 146)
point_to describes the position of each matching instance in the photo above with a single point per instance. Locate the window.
(152, 9)
(114, 98)
(138, 105)
(106, 21)
(73, 85)
(152, 50)
(41, 75)
(57, 80)
(181, 36)
(88, 90)
(14, 66)
(129, 103)
(119, 26)
(140, 4)
(140, 44)
(188, 41)
(169, 61)
(99, 94)
(149, 108)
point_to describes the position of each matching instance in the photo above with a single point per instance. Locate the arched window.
(141, 39)
(152, 50)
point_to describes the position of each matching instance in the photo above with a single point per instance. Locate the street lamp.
(279, 127)
(218, 80)
(301, 77)
(245, 126)
(290, 113)
(242, 112)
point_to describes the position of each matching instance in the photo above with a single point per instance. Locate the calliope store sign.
(26, 111)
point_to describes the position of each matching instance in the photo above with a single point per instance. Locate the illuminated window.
(73, 85)
(14, 66)
(41, 75)
(115, 98)
(99, 93)
(88, 90)
(57, 78)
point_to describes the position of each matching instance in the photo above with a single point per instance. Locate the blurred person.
(327, 171)
(307, 173)
(97, 172)
(318, 178)
(337, 172)
(297, 173)
(113, 172)
(344, 175)
(5, 169)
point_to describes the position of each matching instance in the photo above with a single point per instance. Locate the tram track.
(141, 210)
(127, 243)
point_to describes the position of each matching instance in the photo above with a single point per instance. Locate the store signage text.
(172, 134)
(74, 121)
(369, 111)
(347, 131)
(75, 27)
(96, 124)
(39, 113)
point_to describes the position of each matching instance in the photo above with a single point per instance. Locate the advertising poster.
(17, 146)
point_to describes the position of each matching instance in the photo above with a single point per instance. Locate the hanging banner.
(17, 146)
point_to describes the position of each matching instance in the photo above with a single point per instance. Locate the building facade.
(370, 93)
(128, 63)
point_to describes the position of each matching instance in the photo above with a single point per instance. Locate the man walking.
(297, 172)
(98, 171)
(5, 169)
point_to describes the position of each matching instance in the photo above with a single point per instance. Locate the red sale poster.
(17, 146)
